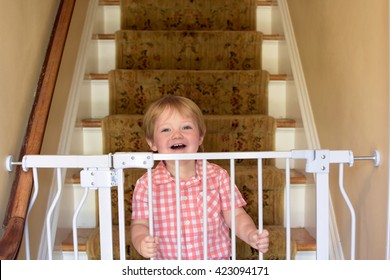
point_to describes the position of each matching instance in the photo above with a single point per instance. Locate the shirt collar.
(161, 174)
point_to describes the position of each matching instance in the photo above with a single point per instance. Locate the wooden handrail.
(18, 202)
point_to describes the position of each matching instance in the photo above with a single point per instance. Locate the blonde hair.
(182, 105)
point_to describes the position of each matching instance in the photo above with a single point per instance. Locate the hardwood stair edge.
(82, 235)
(109, 2)
(305, 242)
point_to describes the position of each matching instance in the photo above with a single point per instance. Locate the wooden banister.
(18, 202)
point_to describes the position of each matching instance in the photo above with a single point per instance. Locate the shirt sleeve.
(140, 209)
(225, 193)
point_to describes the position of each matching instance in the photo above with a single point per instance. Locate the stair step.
(104, 76)
(266, 37)
(117, 3)
(304, 241)
(288, 132)
(267, 12)
(274, 49)
(82, 234)
(281, 102)
(96, 123)
(109, 2)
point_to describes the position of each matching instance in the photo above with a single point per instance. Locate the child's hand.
(148, 246)
(259, 241)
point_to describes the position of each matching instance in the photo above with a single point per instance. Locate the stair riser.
(287, 139)
(275, 57)
(96, 93)
(107, 20)
(268, 20)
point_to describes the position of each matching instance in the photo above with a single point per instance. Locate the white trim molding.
(71, 112)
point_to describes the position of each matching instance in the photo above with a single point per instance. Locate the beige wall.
(24, 33)
(344, 50)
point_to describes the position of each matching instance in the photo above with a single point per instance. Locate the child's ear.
(151, 145)
(201, 138)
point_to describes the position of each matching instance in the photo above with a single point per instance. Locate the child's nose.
(177, 134)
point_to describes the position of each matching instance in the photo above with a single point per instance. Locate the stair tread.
(267, 3)
(82, 234)
(110, 36)
(117, 3)
(104, 76)
(96, 123)
(304, 241)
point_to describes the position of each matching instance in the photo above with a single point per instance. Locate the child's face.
(174, 133)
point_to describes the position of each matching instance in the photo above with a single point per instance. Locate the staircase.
(283, 105)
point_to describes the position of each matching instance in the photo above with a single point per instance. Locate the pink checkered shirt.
(191, 197)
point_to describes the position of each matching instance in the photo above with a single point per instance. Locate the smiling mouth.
(178, 146)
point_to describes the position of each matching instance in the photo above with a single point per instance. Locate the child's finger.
(152, 240)
(149, 247)
(264, 233)
(255, 237)
(261, 241)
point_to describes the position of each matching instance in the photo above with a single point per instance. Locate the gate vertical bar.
(150, 203)
(317, 162)
(105, 221)
(233, 207)
(121, 213)
(322, 215)
(204, 180)
(260, 198)
(31, 204)
(351, 210)
(50, 212)
(178, 210)
(288, 212)
(74, 224)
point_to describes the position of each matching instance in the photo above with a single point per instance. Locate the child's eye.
(165, 130)
(186, 127)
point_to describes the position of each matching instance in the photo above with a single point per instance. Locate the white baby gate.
(102, 172)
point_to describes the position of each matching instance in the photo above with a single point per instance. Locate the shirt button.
(184, 197)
